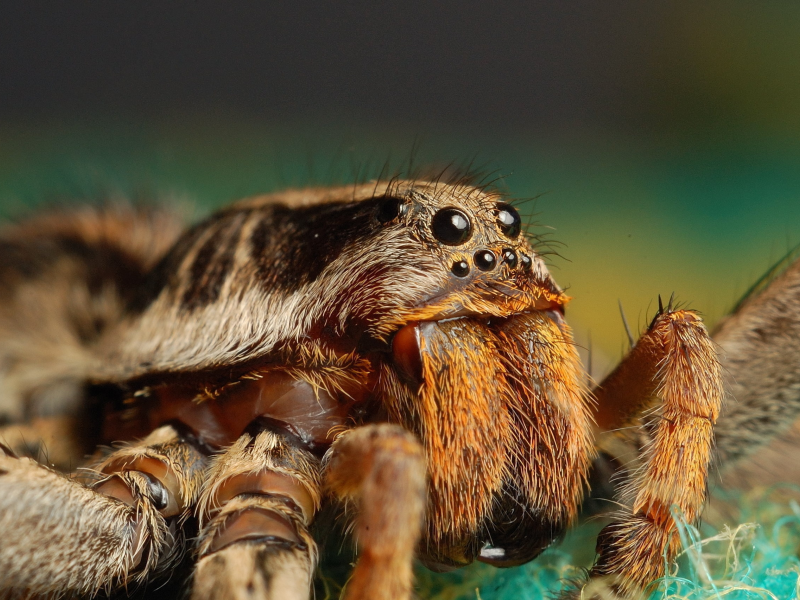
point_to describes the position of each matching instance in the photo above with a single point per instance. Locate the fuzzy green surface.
(756, 558)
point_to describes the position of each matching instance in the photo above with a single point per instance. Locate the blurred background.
(660, 142)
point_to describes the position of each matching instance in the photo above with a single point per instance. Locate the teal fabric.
(756, 558)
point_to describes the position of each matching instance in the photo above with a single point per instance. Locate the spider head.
(433, 251)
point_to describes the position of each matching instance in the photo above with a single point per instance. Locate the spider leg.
(382, 468)
(258, 501)
(675, 365)
(62, 537)
(760, 345)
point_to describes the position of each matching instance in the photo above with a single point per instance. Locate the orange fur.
(552, 432)
(674, 470)
(381, 468)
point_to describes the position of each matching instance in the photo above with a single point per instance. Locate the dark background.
(662, 140)
(517, 65)
(513, 64)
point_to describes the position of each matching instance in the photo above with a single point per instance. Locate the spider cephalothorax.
(398, 346)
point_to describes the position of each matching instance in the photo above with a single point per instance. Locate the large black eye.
(451, 226)
(508, 220)
(389, 209)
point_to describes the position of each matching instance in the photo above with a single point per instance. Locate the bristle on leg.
(62, 537)
(259, 499)
(675, 368)
(381, 468)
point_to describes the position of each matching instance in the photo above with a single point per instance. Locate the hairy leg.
(760, 345)
(62, 537)
(674, 365)
(382, 469)
(259, 498)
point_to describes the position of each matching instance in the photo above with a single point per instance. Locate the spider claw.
(659, 312)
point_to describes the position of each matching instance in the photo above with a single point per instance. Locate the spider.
(394, 354)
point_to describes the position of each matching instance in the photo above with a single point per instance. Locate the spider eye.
(510, 257)
(451, 226)
(485, 260)
(389, 209)
(508, 220)
(460, 268)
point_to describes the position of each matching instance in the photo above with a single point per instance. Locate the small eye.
(389, 209)
(510, 257)
(526, 261)
(508, 220)
(460, 268)
(485, 260)
(451, 226)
